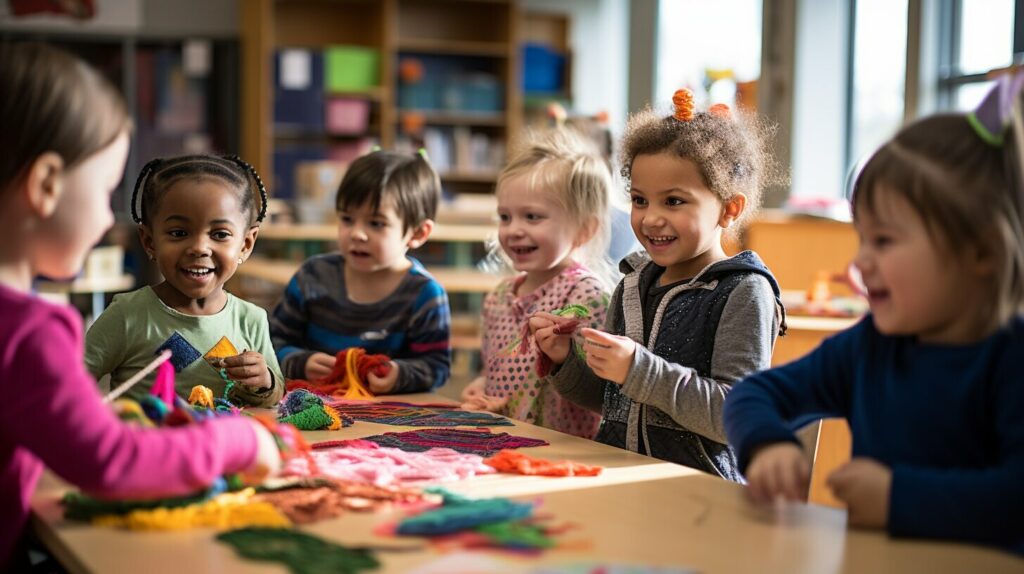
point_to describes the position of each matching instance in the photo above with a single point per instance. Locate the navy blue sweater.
(948, 420)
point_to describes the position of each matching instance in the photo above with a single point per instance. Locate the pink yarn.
(365, 462)
(163, 386)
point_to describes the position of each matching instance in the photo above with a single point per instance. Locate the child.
(553, 210)
(62, 152)
(199, 221)
(687, 321)
(930, 381)
(372, 295)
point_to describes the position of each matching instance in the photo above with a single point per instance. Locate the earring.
(239, 260)
(152, 257)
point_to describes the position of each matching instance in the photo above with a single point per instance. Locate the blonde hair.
(567, 165)
(965, 191)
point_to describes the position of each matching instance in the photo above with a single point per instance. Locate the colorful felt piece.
(460, 513)
(366, 462)
(183, 353)
(514, 462)
(472, 441)
(413, 415)
(307, 411)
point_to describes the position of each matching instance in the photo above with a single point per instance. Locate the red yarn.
(336, 383)
(564, 326)
(513, 462)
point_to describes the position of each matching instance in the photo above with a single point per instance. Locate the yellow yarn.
(201, 396)
(225, 511)
(335, 418)
(356, 390)
(130, 411)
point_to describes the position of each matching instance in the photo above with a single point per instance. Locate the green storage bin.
(350, 68)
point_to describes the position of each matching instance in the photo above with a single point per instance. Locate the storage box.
(542, 69)
(104, 263)
(351, 68)
(347, 116)
(318, 181)
(298, 90)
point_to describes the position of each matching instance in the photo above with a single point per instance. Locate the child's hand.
(249, 369)
(385, 384)
(474, 389)
(609, 356)
(553, 344)
(318, 366)
(864, 485)
(268, 456)
(778, 470)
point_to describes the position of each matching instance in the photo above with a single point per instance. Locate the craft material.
(460, 513)
(302, 553)
(347, 379)
(134, 379)
(320, 499)
(407, 414)
(514, 462)
(227, 510)
(365, 462)
(201, 397)
(473, 441)
(307, 411)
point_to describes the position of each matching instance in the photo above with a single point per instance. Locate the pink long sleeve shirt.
(51, 413)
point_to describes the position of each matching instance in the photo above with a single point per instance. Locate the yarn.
(567, 320)
(307, 411)
(365, 462)
(471, 441)
(131, 411)
(683, 101)
(228, 510)
(513, 462)
(163, 385)
(407, 414)
(82, 507)
(302, 553)
(201, 397)
(459, 513)
(720, 111)
(347, 378)
(321, 499)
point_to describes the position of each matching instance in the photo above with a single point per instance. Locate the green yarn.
(82, 507)
(575, 310)
(309, 419)
(300, 552)
(516, 534)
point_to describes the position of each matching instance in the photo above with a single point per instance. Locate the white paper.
(296, 69)
(196, 58)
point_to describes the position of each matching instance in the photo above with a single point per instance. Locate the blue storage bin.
(478, 93)
(543, 69)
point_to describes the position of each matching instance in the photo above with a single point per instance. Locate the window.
(975, 36)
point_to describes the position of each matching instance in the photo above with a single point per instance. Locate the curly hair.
(730, 153)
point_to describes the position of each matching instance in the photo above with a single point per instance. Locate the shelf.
(469, 176)
(453, 280)
(374, 94)
(454, 47)
(89, 285)
(449, 233)
(483, 119)
(309, 134)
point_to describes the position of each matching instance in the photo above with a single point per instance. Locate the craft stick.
(123, 387)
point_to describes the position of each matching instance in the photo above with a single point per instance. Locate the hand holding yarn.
(551, 336)
(248, 368)
(318, 366)
(268, 456)
(609, 356)
(383, 384)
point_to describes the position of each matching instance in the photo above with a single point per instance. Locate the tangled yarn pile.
(347, 379)
(307, 411)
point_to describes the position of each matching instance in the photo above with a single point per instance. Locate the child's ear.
(44, 183)
(983, 259)
(420, 234)
(731, 210)
(249, 242)
(146, 239)
(587, 231)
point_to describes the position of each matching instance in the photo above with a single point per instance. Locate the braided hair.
(159, 174)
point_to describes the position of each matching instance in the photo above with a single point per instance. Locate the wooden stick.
(120, 390)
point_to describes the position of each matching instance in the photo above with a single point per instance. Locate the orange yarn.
(683, 102)
(720, 111)
(351, 368)
(514, 462)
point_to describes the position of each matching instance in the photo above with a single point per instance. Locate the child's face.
(674, 215)
(373, 241)
(198, 234)
(914, 288)
(534, 231)
(82, 214)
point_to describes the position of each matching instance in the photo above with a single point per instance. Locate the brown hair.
(53, 102)
(729, 152)
(406, 178)
(964, 191)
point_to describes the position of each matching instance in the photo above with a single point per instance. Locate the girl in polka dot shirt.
(553, 210)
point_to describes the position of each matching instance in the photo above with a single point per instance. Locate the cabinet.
(444, 74)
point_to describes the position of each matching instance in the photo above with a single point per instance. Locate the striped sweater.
(411, 325)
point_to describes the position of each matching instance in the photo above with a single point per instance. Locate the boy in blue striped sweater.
(371, 294)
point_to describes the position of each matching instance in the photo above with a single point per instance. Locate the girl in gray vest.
(687, 321)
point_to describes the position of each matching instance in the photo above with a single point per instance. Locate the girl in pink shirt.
(553, 209)
(62, 152)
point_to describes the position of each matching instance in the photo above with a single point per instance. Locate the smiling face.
(675, 216)
(534, 231)
(914, 286)
(198, 235)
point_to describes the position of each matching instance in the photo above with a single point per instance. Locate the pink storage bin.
(347, 116)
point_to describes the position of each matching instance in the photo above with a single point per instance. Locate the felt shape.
(222, 350)
(183, 353)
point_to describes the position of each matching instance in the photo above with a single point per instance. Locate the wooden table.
(640, 511)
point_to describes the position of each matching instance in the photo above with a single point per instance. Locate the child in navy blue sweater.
(931, 381)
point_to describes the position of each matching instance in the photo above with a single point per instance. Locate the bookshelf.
(445, 76)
